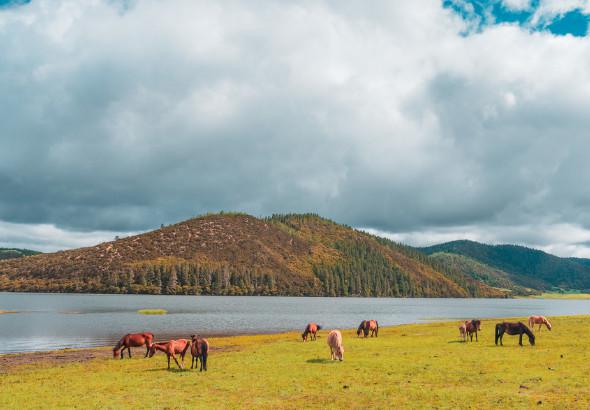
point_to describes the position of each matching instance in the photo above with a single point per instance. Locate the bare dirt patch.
(10, 361)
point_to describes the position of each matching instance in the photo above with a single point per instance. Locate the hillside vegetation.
(410, 366)
(237, 254)
(525, 267)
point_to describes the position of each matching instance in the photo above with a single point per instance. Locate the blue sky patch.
(483, 13)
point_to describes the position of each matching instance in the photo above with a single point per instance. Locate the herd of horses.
(199, 347)
(471, 327)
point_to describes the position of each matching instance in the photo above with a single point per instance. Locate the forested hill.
(523, 266)
(237, 254)
(11, 253)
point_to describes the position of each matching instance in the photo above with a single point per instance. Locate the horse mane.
(361, 327)
(119, 344)
(527, 331)
(319, 327)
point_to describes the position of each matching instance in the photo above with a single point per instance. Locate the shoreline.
(84, 354)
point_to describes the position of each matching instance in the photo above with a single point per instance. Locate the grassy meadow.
(410, 366)
(561, 296)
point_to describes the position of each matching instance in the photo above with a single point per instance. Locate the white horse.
(335, 343)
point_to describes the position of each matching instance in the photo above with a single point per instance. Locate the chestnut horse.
(366, 326)
(539, 320)
(133, 340)
(514, 329)
(471, 327)
(171, 348)
(199, 350)
(335, 343)
(311, 328)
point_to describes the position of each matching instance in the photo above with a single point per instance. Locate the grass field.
(562, 296)
(411, 366)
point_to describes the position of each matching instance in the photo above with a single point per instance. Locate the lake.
(55, 321)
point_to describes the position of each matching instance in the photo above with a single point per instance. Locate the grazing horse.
(199, 351)
(539, 320)
(172, 348)
(335, 343)
(514, 329)
(133, 340)
(472, 327)
(366, 326)
(311, 328)
(463, 332)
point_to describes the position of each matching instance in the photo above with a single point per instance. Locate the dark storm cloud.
(121, 118)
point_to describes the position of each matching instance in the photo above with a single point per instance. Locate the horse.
(472, 327)
(463, 332)
(199, 350)
(335, 343)
(539, 320)
(366, 326)
(311, 328)
(171, 348)
(514, 329)
(133, 340)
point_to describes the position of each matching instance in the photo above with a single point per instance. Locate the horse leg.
(520, 339)
(147, 350)
(129, 351)
(476, 336)
(169, 360)
(178, 364)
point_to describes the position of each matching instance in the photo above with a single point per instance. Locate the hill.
(11, 253)
(525, 267)
(491, 276)
(237, 254)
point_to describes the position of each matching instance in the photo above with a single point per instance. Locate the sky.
(423, 121)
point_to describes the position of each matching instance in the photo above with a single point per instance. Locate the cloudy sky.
(425, 121)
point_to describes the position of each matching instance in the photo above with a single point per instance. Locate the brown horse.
(311, 328)
(133, 340)
(199, 351)
(171, 348)
(366, 326)
(539, 320)
(514, 329)
(471, 327)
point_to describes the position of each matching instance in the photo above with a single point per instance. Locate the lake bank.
(421, 365)
(47, 322)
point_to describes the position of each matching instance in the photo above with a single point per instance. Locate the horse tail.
(376, 328)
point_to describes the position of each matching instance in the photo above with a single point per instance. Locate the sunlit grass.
(562, 296)
(410, 366)
(152, 311)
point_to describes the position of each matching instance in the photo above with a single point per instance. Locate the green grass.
(152, 311)
(561, 296)
(412, 366)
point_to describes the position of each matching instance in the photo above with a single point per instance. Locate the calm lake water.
(54, 321)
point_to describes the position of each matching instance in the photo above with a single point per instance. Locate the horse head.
(476, 324)
(152, 350)
(532, 339)
(115, 353)
(340, 353)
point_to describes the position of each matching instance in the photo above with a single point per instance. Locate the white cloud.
(385, 116)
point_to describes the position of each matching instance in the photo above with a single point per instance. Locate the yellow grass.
(152, 311)
(4, 312)
(410, 366)
(562, 296)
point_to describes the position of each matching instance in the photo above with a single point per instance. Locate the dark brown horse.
(514, 329)
(367, 326)
(133, 340)
(311, 328)
(172, 348)
(472, 327)
(199, 351)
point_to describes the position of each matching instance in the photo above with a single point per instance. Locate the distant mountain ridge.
(237, 254)
(524, 267)
(11, 253)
